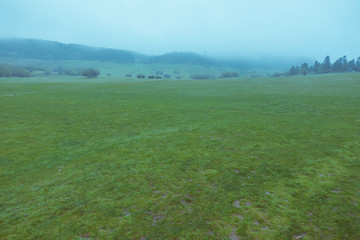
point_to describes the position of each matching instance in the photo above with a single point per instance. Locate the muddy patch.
(157, 218)
(86, 236)
(233, 235)
(300, 236)
(236, 204)
(336, 191)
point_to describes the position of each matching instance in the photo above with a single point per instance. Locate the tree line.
(13, 71)
(340, 65)
(50, 50)
(7, 70)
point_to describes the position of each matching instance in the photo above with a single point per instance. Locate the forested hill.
(181, 58)
(50, 50)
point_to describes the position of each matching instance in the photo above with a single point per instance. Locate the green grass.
(119, 70)
(251, 159)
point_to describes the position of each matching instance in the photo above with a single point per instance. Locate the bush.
(229, 75)
(167, 76)
(90, 73)
(140, 76)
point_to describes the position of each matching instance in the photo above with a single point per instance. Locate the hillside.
(55, 51)
(51, 50)
(181, 58)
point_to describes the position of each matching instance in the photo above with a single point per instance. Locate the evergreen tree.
(316, 67)
(344, 66)
(90, 73)
(292, 71)
(304, 69)
(358, 64)
(337, 66)
(352, 65)
(311, 69)
(326, 66)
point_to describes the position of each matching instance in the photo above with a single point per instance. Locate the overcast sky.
(310, 28)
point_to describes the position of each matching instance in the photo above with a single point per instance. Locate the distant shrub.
(202, 76)
(5, 71)
(159, 73)
(229, 75)
(167, 76)
(140, 76)
(13, 71)
(90, 73)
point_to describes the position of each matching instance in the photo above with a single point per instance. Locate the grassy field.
(272, 158)
(119, 71)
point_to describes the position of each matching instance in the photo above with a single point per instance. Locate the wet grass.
(109, 70)
(215, 159)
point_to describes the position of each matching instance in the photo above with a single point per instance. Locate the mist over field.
(227, 29)
(179, 119)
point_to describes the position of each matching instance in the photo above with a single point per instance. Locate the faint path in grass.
(14, 94)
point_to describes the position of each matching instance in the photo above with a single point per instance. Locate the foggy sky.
(214, 27)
